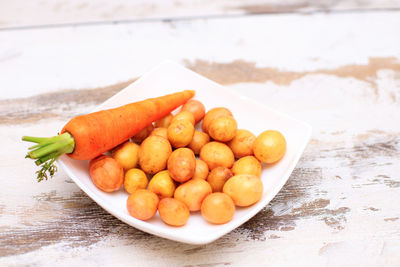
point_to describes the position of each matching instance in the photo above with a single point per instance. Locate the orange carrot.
(88, 136)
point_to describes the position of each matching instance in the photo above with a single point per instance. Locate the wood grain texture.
(339, 206)
(20, 13)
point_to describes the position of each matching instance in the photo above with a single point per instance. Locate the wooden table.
(336, 67)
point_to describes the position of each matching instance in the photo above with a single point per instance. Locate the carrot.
(88, 136)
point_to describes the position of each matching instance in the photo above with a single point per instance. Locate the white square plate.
(170, 77)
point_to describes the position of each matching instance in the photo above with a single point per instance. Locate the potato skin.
(192, 193)
(106, 173)
(247, 165)
(164, 122)
(217, 154)
(135, 179)
(142, 204)
(242, 143)
(244, 189)
(201, 171)
(180, 133)
(198, 141)
(160, 132)
(162, 184)
(218, 208)
(223, 128)
(143, 134)
(213, 114)
(182, 164)
(184, 115)
(218, 177)
(269, 146)
(154, 153)
(173, 211)
(127, 155)
(196, 108)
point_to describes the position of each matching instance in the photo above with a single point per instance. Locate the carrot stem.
(48, 150)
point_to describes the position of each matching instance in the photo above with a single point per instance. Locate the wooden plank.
(21, 13)
(338, 205)
(111, 54)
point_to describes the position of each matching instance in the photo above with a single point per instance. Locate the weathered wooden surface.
(339, 72)
(20, 13)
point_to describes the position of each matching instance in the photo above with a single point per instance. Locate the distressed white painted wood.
(109, 54)
(339, 72)
(20, 13)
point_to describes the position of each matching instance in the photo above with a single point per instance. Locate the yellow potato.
(198, 141)
(196, 108)
(247, 165)
(242, 143)
(142, 204)
(217, 154)
(184, 115)
(160, 132)
(173, 212)
(162, 185)
(218, 208)
(143, 134)
(223, 128)
(269, 146)
(135, 179)
(182, 164)
(164, 122)
(192, 193)
(213, 114)
(127, 155)
(180, 133)
(201, 171)
(217, 178)
(154, 153)
(244, 189)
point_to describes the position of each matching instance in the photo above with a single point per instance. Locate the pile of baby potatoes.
(172, 168)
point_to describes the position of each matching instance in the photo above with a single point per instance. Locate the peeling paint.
(62, 104)
(274, 8)
(240, 71)
(391, 219)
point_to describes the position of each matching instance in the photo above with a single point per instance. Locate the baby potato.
(127, 155)
(217, 154)
(135, 179)
(192, 193)
(247, 165)
(223, 128)
(162, 185)
(218, 208)
(269, 146)
(242, 143)
(244, 189)
(160, 132)
(196, 108)
(106, 173)
(164, 122)
(142, 204)
(180, 133)
(173, 211)
(198, 141)
(213, 114)
(217, 178)
(184, 115)
(201, 171)
(182, 164)
(143, 134)
(154, 153)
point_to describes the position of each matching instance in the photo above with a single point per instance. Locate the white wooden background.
(336, 67)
